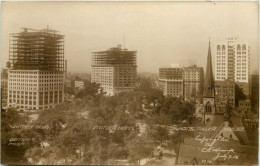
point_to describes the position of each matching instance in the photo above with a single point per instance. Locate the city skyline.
(159, 42)
(130, 83)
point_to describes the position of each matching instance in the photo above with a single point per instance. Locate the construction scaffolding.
(37, 50)
(114, 57)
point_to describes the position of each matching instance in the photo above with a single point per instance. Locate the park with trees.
(107, 133)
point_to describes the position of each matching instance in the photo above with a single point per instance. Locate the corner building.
(193, 82)
(114, 69)
(171, 81)
(232, 62)
(224, 94)
(36, 71)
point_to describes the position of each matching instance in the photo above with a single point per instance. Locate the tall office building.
(193, 82)
(36, 71)
(232, 62)
(114, 69)
(171, 81)
(4, 87)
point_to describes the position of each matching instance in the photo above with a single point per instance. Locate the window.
(223, 48)
(244, 47)
(208, 107)
(218, 47)
(238, 47)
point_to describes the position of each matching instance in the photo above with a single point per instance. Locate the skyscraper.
(171, 81)
(193, 82)
(232, 61)
(114, 69)
(36, 73)
(209, 91)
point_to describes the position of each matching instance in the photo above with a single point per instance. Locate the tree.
(69, 90)
(154, 96)
(181, 111)
(160, 133)
(12, 153)
(121, 119)
(91, 89)
(144, 83)
(239, 94)
(193, 93)
(139, 148)
(117, 151)
(98, 151)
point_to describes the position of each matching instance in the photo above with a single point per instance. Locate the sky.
(162, 33)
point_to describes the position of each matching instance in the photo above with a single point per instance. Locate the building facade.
(79, 85)
(244, 106)
(115, 70)
(4, 87)
(36, 73)
(193, 82)
(232, 61)
(224, 93)
(171, 81)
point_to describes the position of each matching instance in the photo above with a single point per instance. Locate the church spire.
(209, 88)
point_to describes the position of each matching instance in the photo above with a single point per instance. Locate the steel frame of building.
(37, 50)
(114, 57)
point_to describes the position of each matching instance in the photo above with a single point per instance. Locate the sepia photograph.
(129, 83)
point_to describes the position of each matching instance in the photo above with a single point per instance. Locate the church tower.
(209, 91)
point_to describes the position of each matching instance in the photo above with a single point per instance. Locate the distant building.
(114, 69)
(232, 61)
(193, 81)
(4, 87)
(78, 85)
(171, 81)
(225, 92)
(244, 106)
(68, 82)
(36, 73)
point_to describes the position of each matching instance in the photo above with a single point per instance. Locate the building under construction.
(36, 69)
(114, 69)
(171, 81)
(37, 50)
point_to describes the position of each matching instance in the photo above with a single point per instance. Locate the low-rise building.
(244, 106)
(195, 151)
(224, 93)
(78, 85)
